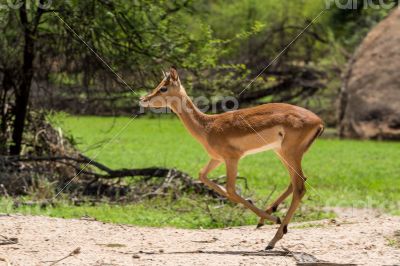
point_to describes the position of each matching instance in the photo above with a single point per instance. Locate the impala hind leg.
(274, 205)
(298, 187)
(231, 173)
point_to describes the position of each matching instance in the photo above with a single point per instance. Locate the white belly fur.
(270, 146)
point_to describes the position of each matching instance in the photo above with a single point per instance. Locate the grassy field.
(340, 173)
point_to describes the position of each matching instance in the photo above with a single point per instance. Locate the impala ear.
(173, 73)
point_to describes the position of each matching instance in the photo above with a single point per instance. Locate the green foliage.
(351, 26)
(221, 45)
(136, 38)
(251, 24)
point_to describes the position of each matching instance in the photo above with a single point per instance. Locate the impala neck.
(192, 118)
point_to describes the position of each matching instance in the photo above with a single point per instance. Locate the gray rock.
(370, 97)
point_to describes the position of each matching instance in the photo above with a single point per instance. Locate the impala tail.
(320, 131)
(317, 134)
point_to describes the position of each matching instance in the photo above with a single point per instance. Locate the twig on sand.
(6, 261)
(73, 253)
(8, 241)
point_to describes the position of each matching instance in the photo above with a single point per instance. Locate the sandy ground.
(42, 240)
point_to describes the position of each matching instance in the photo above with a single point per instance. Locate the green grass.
(342, 173)
(187, 212)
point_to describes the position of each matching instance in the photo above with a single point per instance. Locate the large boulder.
(370, 97)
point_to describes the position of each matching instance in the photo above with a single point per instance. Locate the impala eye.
(163, 89)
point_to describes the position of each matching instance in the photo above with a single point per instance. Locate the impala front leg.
(231, 173)
(212, 164)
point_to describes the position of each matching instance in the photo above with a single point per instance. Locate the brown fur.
(260, 117)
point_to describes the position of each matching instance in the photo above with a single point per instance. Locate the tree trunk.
(22, 92)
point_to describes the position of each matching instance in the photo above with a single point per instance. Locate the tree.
(30, 30)
(133, 38)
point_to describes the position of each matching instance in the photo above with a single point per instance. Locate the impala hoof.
(250, 201)
(269, 247)
(259, 225)
(278, 220)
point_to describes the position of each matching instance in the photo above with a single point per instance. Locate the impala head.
(165, 93)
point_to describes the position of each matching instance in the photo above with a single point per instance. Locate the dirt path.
(362, 241)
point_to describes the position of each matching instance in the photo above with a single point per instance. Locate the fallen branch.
(110, 174)
(8, 241)
(93, 178)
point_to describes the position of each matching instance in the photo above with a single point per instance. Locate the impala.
(286, 129)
